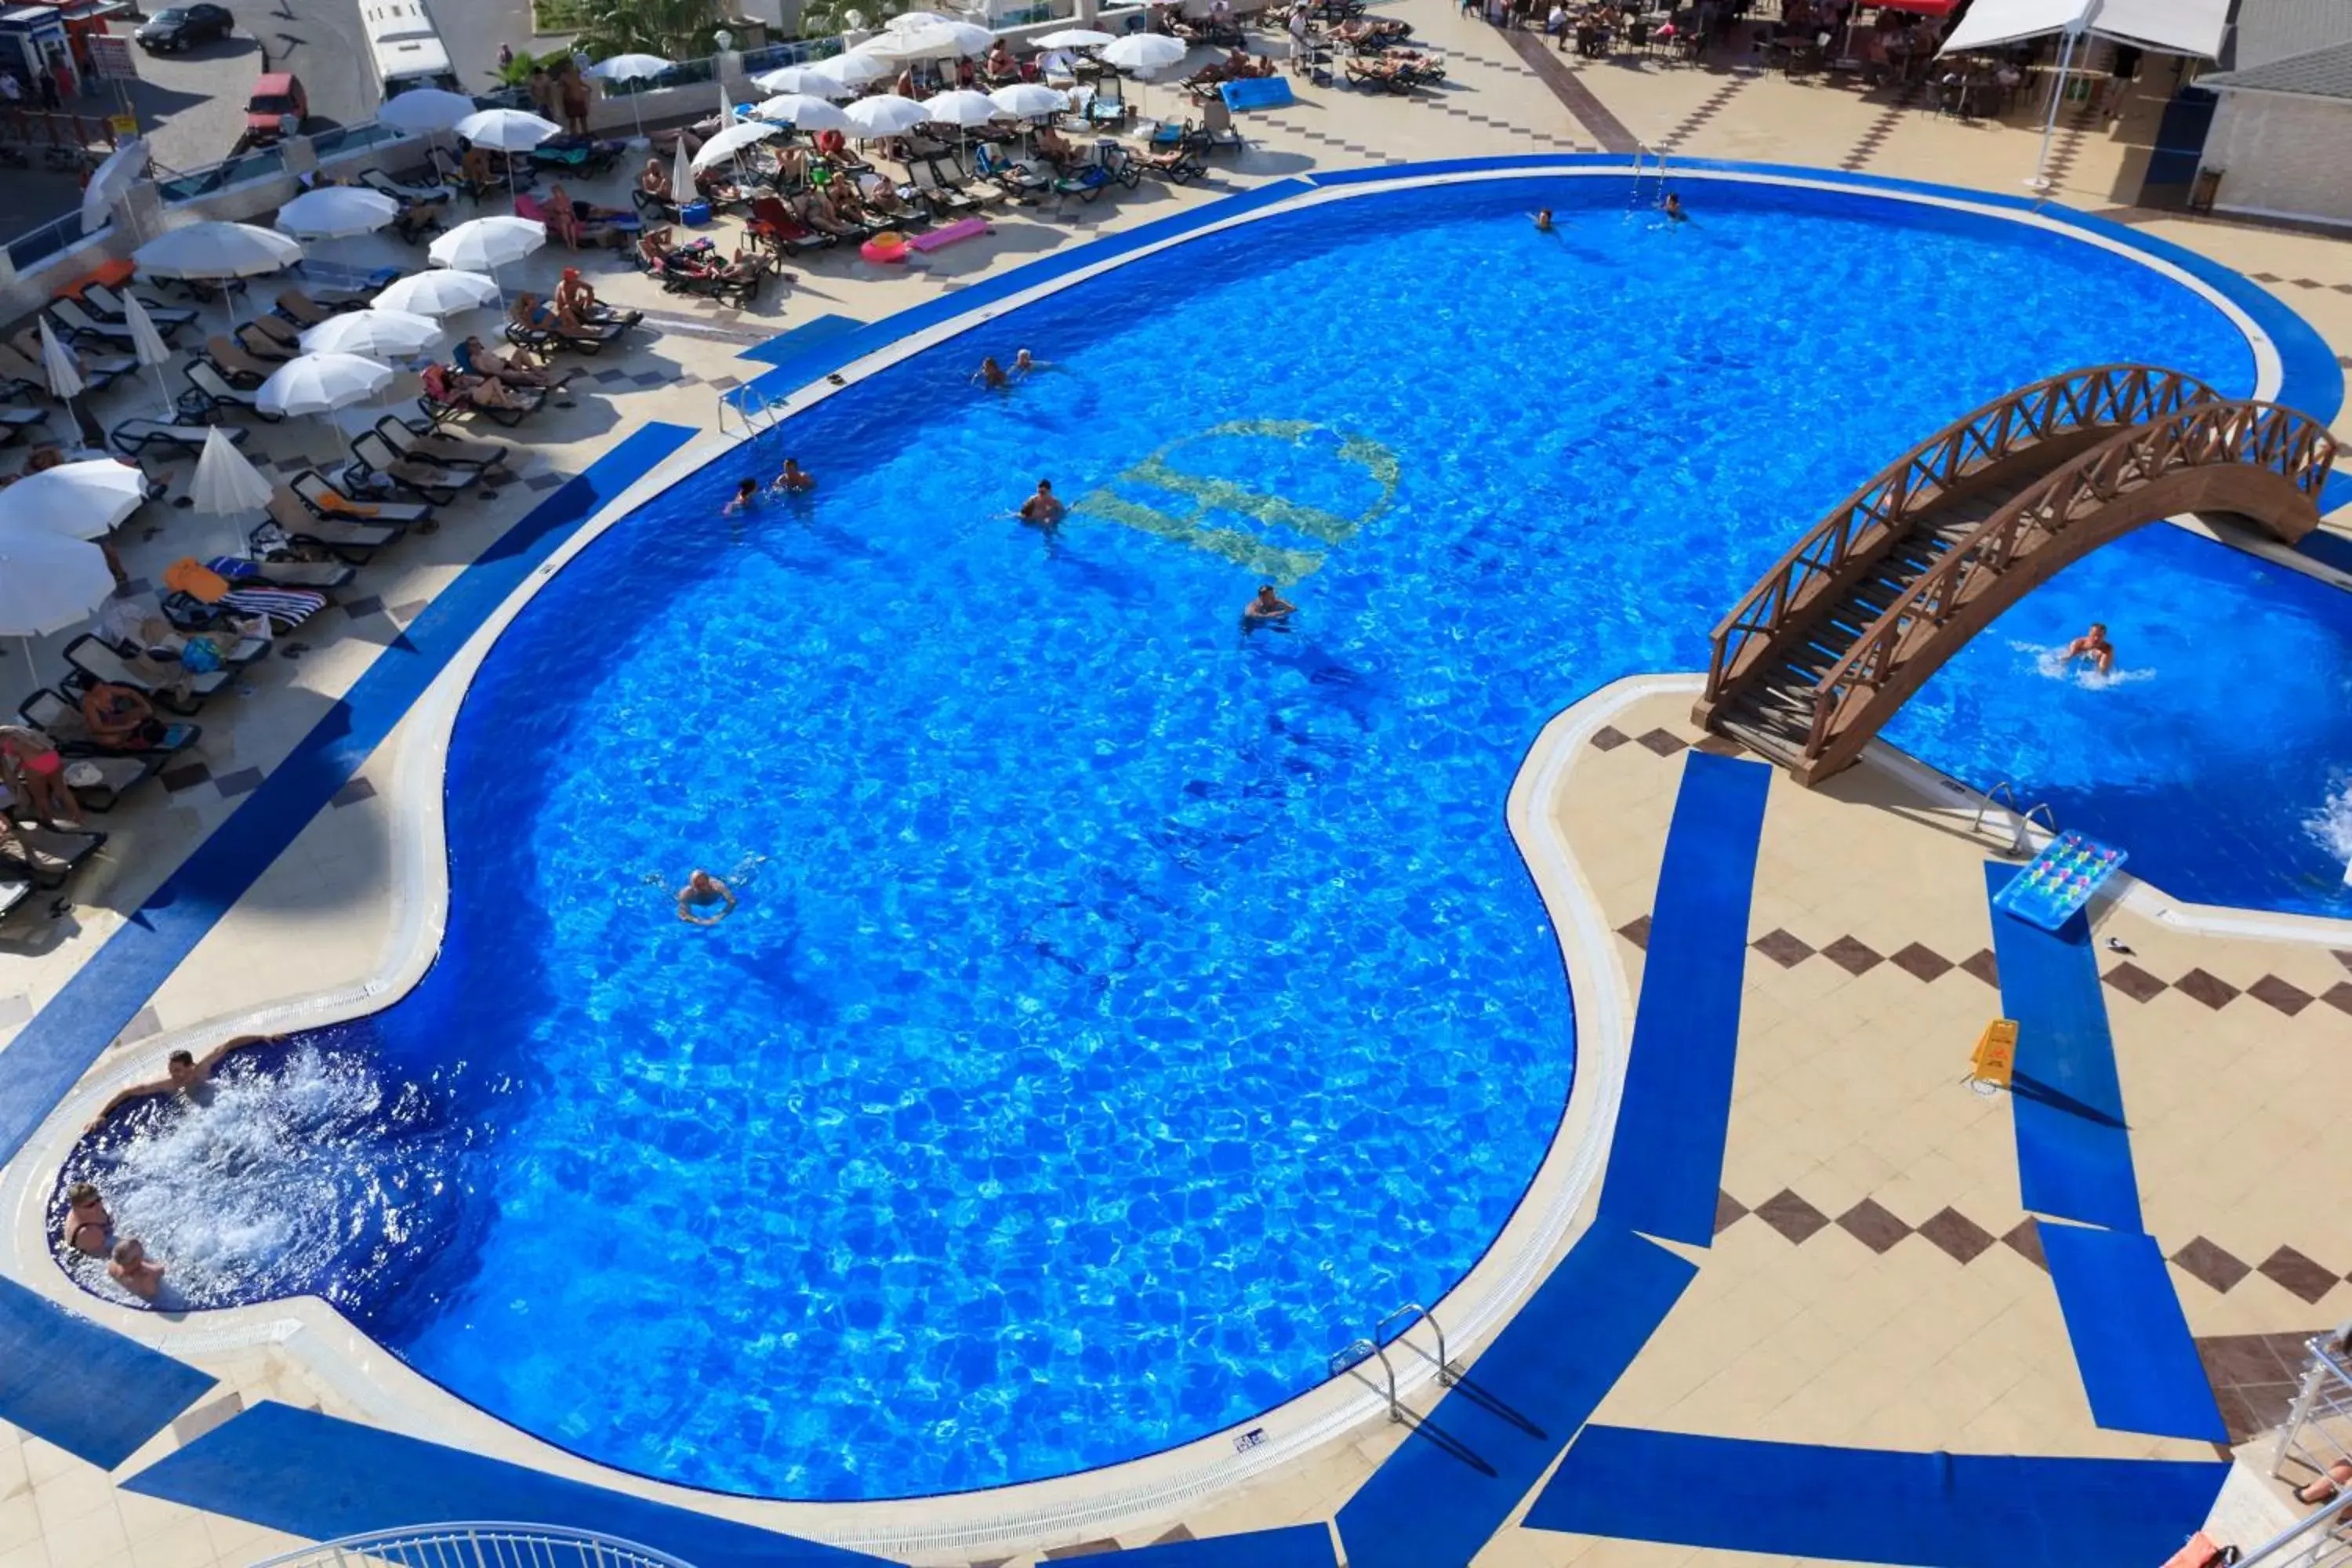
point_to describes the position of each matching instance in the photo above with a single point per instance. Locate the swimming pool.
(1124, 1011)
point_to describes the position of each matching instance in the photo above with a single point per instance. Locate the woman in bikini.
(88, 1224)
(30, 765)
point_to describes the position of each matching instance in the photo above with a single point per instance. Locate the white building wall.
(2283, 156)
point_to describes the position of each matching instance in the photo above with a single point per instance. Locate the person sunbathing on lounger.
(482, 392)
(120, 718)
(134, 1270)
(477, 359)
(817, 213)
(1056, 150)
(655, 182)
(702, 891)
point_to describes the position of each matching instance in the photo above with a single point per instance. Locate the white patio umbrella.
(78, 500)
(962, 109)
(681, 174)
(377, 333)
(1077, 39)
(507, 131)
(486, 243)
(123, 169)
(147, 344)
(1144, 55)
(426, 111)
(337, 212)
(885, 114)
(910, 21)
(733, 140)
(855, 68)
(217, 250)
(48, 583)
(1029, 101)
(438, 293)
(58, 366)
(783, 78)
(320, 383)
(946, 41)
(805, 111)
(632, 67)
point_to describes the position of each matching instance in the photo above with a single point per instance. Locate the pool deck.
(1874, 1282)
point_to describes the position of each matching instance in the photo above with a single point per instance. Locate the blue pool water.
(1123, 1012)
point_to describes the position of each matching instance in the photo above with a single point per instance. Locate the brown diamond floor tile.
(2209, 989)
(2207, 1263)
(1787, 951)
(1664, 742)
(1728, 1211)
(1960, 1238)
(2298, 1275)
(2344, 956)
(1083, 1549)
(1870, 1224)
(1608, 739)
(1981, 965)
(2339, 996)
(1922, 963)
(2025, 1240)
(1637, 931)
(2134, 981)
(2274, 992)
(1174, 1533)
(1853, 956)
(1791, 1215)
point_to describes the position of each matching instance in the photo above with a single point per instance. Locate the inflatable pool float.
(2059, 880)
(887, 246)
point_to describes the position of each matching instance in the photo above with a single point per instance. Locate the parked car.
(175, 27)
(276, 98)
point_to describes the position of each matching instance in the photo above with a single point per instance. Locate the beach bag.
(200, 657)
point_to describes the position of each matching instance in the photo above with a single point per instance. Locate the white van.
(407, 50)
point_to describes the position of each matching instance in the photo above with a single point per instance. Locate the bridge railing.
(2205, 434)
(476, 1545)
(2110, 395)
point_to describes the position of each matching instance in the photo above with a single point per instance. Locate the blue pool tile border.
(40, 1067)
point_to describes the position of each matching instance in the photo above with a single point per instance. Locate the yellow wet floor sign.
(1995, 1056)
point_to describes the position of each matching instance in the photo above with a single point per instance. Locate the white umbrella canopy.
(147, 344)
(441, 293)
(320, 383)
(952, 41)
(337, 212)
(48, 582)
(378, 333)
(793, 79)
(1144, 54)
(65, 376)
(484, 244)
(803, 109)
(1029, 101)
(855, 68)
(884, 114)
(123, 169)
(76, 500)
(1077, 39)
(426, 111)
(963, 107)
(226, 483)
(681, 174)
(733, 140)
(629, 67)
(909, 21)
(505, 130)
(217, 250)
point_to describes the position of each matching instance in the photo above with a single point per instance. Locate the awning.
(2174, 26)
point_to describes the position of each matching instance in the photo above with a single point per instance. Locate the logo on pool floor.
(1277, 562)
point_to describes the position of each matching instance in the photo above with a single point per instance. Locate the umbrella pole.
(638, 107)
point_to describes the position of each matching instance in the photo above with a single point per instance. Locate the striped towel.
(290, 605)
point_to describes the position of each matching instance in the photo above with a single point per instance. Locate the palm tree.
(674, 29)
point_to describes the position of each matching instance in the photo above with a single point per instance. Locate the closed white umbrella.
(63, 375)
(732, 141)
(486, 243)
(426, 111)
(225, 484)
(123, 169)
(437, 293)
(727, 115)
(1077, 39)
(885, 114)
(1029, 101)
(48, 583)
(805, 111)
(505, 130)
(631, 67)
(217, 250)
(147, 344)
(378, 333)
(963, 107)
(320, 383)
(78, 500)
(337, 212)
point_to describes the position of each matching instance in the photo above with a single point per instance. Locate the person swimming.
(1674, 208)
(1024, 362)
(791, 481)
(990, 375)
(134, 1270)
(185, 1075)
(746, 498)
(88, 1228)
(1044, 508)
(1543, 221)
(1267, 606)
(702, 891)
(2092, 646)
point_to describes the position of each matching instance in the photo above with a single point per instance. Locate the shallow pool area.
(1125, 1009)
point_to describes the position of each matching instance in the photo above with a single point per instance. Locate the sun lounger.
(377, 180)
(1022, 181)
(133, 437)
(15, 422)
(323, 498)
(270, 338)
(322, 577)
(59, 718)
(241, 368)
(437, 402)
(106, 779)
(106, 303)
(99, 367)
(292, 523)
(101, 660)
(591, 340)
(47, 855)
(25, 370)
(429, 446)
(76, 323)
(214, 393)
(304, 311)
(378, 463)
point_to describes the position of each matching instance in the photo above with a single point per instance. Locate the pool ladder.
(2021, 839)
(1358, 1351)
(754, 411)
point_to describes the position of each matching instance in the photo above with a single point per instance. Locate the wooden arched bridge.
(1872, 602)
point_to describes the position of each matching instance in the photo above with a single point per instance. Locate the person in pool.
(792, 481)
(1543, 221)
(185, 1074)
(990, 375)
(134, 1270)
(1267, 606)
(702, 891)
(1044, 508)
(2093, 646)
(1674, 208)
(1024, 362)
(746, 498)
(88, 1228)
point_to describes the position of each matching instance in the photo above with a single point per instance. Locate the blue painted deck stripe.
(795, 342)
(321, 1477)
(96, 1394)
(1438, 1498)
(41, 1065)
(2073, 1147)
(1294, 1546)
(1858, 1505)
(2132, 1345)
(1666, 1161)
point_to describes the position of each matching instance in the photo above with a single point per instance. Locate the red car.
(275, 96)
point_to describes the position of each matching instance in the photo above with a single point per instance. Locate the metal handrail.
(1411, 1311)
(475, 1544)
(1354, 1354)
(2293, 1545)
(751, 407)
